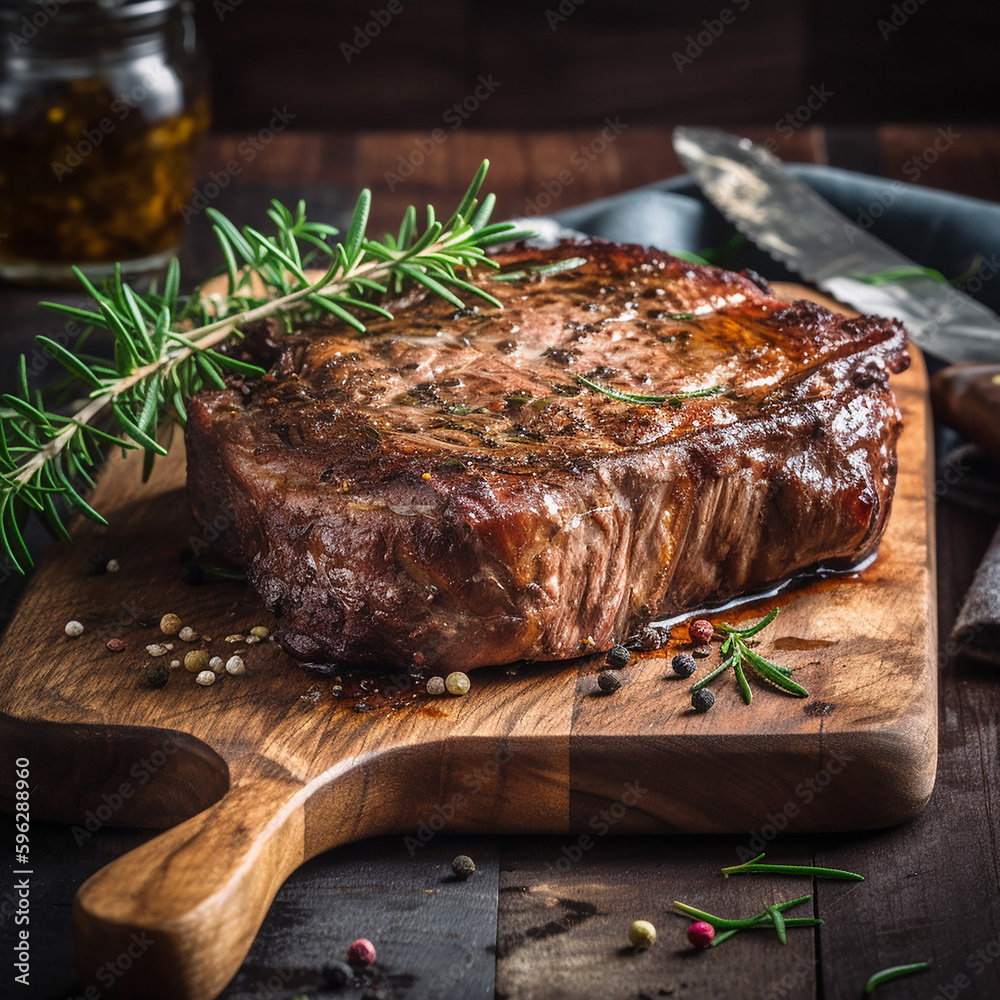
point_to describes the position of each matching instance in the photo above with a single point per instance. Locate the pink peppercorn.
(115, 645)
(701, 631)
(362, 952)
(700, 934)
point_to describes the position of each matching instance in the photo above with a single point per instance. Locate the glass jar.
(102, 103)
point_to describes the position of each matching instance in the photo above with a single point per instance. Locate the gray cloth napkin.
(934, 228)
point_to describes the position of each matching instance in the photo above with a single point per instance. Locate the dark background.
(605, 57)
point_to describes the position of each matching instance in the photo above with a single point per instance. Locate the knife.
(784, 216)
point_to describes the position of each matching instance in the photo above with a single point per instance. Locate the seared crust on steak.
(442, 488)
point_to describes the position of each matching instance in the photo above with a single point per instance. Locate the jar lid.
(59, 22)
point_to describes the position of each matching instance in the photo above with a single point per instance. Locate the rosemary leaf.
(673, 399)
(886, 975)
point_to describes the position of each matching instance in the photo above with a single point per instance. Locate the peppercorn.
(683, 665)
(457, 683)
(260, 631)
(115, 645)
(701, 631)
(361, 952)
(338, 975)
(187, 634)
(618, 656)
(235, 666)
(157, 675)
(702, 700)
(701, 652)
(196, 660)
(217, 664)
(641, 934)
(463, 866)
(610, 681)
(206, 678)
(170, 624)
(113, 566)
(701, 934)
(156, 650)
(192, 574)
(74, 628)
(650, 638)
(435, 685)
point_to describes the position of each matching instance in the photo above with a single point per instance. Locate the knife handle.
(967, 397)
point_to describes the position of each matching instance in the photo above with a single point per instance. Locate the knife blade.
(787, 218)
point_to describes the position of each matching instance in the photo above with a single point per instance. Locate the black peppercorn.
(463, 866)
(610, 681)
(192, 574)
(98, 563)
(338, 975)
(683, 665)
(702, 700)
(157, 675)
(618, 656)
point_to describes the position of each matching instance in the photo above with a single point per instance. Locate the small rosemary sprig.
(887, 975)
(673, 399)
(166, 346)
(737, 654)
(541, 270)
(754, 866)
(766, 918)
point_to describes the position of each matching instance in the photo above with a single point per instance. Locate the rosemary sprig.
(674, 399)
(885, 975)
(737, 654)
(166, 346)
(762, 920)
(753, 866)
(541, 270)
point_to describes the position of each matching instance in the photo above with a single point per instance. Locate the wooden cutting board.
(262, 771)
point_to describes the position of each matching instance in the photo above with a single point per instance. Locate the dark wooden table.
(529, 925)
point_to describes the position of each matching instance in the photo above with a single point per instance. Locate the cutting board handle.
(176, 916)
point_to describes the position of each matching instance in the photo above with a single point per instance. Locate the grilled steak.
(444, 490)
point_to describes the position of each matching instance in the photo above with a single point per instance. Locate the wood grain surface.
(266, 770)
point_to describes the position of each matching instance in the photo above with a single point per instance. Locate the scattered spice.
(435, 685)
(362, 952)
(235, 666)
(113, 566)
(618, 656)
(260, 632)
(170, 624)
(217, 663)
(702, 700)
(338, 975)
(700, 934)
(641, 934)
(174, 664)
(701, 631)
(463, 866)
(253, 640)
(74, 628)
(457, 683)
(683, 665)
(610, 681)
(157, 675)
(206, 678)
(115, 645)
(196, 660)
(187, 634)
(650, 638)
(156, 650)
(885, 975)
(763, 920)
(235, 637)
